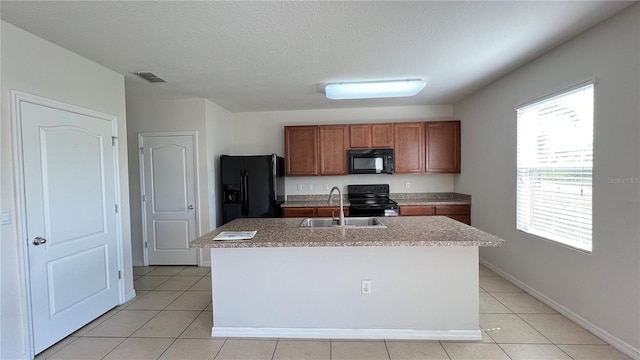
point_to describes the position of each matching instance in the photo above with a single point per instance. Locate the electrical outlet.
(365, 286)
(310, 186)
(407, 185)
(325, 187)
(299, 187)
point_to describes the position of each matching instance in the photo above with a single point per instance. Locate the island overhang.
(289, 282)
(399, 231)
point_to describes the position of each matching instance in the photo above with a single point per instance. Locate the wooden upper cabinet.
(371, 136)
(334, 141)
(409, 147)
(442, 154)
(301, 150)
(360, 136)
(382, 135)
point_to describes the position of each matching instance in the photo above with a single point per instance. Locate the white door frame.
(196, 163)
(16, 98)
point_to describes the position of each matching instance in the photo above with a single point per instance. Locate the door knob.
(190, 207)
(39, 240)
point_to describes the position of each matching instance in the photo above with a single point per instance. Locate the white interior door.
(169, 199)
(70, 207)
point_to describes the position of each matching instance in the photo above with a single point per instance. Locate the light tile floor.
(171, 318)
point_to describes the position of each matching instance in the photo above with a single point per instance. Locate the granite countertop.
(400, 231)
(434, 202)
(314, 203)
(400, 198)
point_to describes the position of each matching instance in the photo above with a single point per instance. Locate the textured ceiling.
(255, 56)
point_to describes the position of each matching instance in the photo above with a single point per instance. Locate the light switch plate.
(5, 216)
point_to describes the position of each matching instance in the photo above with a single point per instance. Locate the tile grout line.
(445, 349)
(387, 348)
(182, 292)
(219, 350)
(110, 351)
(275, 348)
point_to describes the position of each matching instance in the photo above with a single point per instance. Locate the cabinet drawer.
(462, 218)
(299, 212)
(417, 210)
(331, 211)
(453, 209)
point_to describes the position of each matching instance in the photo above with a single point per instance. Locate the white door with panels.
(69, 197)
(168, 182)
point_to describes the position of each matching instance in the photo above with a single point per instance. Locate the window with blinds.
(555, 167)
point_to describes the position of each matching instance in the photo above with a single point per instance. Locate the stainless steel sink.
(349, 222)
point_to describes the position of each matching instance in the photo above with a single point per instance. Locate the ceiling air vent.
(150, 77)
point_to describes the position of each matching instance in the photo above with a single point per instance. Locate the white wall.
(603, 288)
(199, 115)
(35, 66)
(263, 133)
(219, 126)
(315, 292)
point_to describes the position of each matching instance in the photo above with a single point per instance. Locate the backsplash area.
(394, 196)
(418, 183)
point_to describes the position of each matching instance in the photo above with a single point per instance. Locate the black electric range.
(371, 200)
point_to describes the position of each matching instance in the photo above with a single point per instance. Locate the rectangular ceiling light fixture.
(374, 89)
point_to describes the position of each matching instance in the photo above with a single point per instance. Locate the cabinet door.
(442, 147)
(409, 147)
(382, 135)
(333, 211)
(360, 136)
(461, 213)
(462, 218)
(298, 212)
(334, 141)
(453, 209)
(301, 150)
(417, 210)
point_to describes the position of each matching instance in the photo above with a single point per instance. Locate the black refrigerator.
(252, 186)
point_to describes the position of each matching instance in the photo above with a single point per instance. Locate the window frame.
(538, 100)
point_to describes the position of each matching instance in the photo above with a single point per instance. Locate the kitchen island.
(415, 279)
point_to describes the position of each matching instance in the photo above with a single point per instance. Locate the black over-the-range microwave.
(370, 161)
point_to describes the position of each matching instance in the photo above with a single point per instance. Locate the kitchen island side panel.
(412, 288)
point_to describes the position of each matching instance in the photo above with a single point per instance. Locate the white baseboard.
(361, 334)
(137, 263)
(623, 346)
(129, 296)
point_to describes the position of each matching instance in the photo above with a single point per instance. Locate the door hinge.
(116, 206)
(145, 245)
(141, 150)
(144, 198)
(119, 274)
(113, 140)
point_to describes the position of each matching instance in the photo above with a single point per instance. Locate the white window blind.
(555, 167)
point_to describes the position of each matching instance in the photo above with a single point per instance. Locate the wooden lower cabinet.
(461, 213)
(417, 210)
(322, 211)
(331, 211)
(299, 212)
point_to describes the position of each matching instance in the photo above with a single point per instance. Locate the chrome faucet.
(341, 203)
